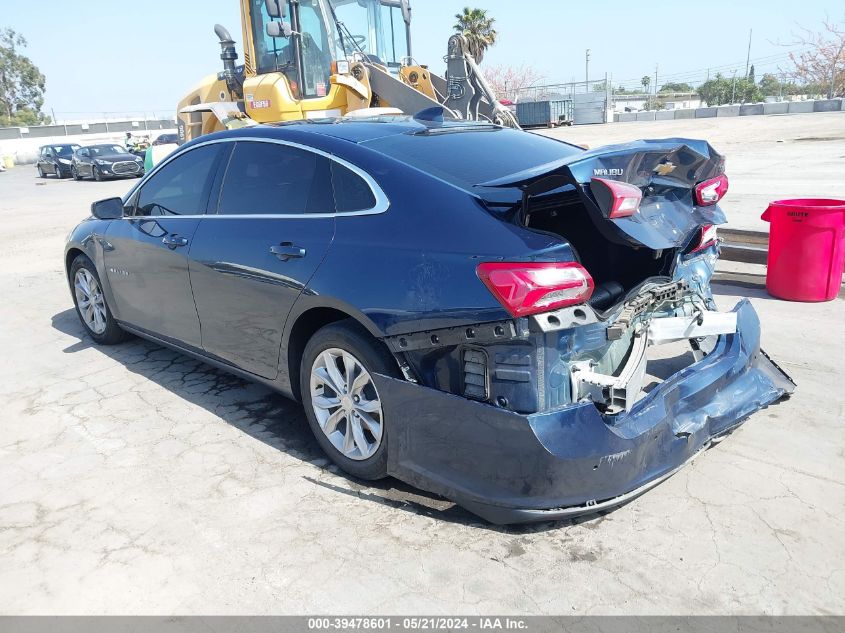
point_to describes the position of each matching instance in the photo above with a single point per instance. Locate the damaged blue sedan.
(483, 313)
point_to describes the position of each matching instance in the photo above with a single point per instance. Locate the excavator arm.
(463, 94)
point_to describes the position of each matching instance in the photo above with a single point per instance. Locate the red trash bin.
(806, 249)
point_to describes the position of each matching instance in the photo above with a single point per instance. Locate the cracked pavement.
(136, 480)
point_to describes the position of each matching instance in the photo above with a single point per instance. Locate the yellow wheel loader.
(312, 59)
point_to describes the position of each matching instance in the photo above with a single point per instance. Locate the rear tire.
(348, 418)
(75, 173)
(90, 302)
(41, 173)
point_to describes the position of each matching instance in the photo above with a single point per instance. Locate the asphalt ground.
(137, 480)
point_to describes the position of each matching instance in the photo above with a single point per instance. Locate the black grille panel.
(475, 374)
(126, 167)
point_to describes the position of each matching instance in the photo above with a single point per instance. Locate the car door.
(47, 165)
(252, 259)
(146, 256)
(80, 159)
(42, 153)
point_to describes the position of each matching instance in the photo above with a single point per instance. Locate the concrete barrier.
(776, 108)
(747, 109)
(798, 107)
(827, 105)
(751, 109)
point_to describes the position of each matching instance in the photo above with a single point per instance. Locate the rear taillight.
(706, 239)
(617, 199)
(711, 191)
(529, 288)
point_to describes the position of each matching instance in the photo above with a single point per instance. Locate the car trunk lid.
(666, 171)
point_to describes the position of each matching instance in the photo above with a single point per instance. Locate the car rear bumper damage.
(580, 458)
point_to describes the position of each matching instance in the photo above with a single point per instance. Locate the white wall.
(25, 151)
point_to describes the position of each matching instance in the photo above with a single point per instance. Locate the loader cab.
(302, 38)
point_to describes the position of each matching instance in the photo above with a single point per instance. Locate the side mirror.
(279, 29)
(276, 8)
(108, 209)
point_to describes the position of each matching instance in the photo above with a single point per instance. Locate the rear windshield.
(468, 158)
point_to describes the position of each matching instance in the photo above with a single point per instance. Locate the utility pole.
(587, 73)
(748, 55)
(733, 93)
(655, 86)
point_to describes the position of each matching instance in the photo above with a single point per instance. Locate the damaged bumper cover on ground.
(572, 460)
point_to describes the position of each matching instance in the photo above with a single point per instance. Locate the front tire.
(342, 404)
(90, 302)
(95, 173)
(41, 173)
(75, 173)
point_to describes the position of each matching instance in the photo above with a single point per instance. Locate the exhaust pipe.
(228, 55)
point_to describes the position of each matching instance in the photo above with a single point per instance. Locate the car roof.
(362, 130)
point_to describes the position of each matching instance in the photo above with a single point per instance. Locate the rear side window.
(273, 179)
(351, 192)
(182, 186)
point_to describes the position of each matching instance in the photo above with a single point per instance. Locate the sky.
(106, 56)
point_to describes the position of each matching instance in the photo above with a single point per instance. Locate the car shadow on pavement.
(269, 417)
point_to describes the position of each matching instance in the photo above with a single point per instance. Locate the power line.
(763, 61)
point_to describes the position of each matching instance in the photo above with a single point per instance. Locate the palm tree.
(646, 82)
(478, 29)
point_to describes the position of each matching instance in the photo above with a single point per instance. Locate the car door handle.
(174, 241)
(286, 251)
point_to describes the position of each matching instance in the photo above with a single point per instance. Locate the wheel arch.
(306, 322)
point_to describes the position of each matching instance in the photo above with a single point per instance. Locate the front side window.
(316, 53)
(394, 40)
(182, 186)
(272, 53)
(273, 179)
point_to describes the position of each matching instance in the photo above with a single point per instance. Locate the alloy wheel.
(346, 404)
(90, 301)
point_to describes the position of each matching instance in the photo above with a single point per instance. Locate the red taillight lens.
(711, 191)
(528, 288)
(617, 199)
(707, 239)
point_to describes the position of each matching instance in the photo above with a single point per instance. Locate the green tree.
(21, 83)
(715, 91)
(676, 87)
(646, 82)
(721, 90)
(770, 85)
(746, 92)
(751, 75)
(477, 28)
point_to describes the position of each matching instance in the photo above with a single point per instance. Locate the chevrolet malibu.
(480, 312)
